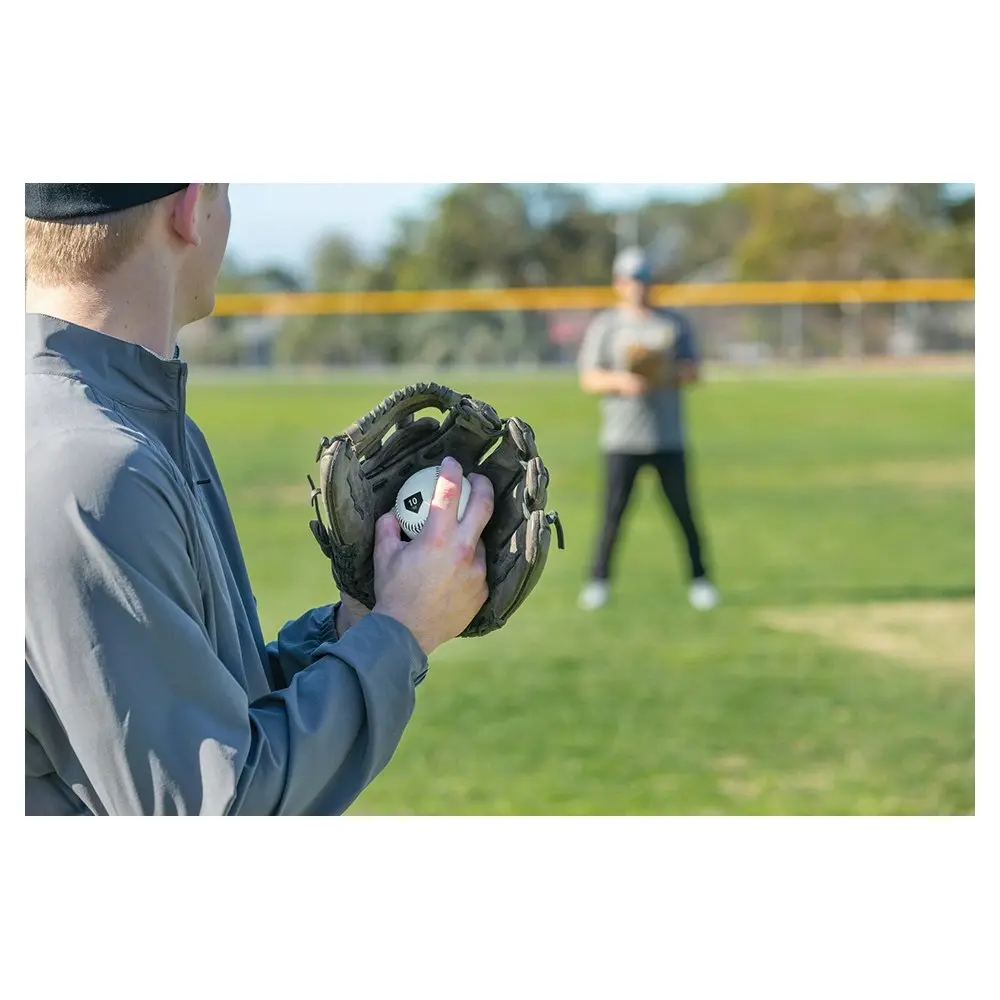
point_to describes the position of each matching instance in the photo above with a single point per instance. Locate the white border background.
(441, 92)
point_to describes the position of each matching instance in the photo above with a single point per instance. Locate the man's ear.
(184, 217)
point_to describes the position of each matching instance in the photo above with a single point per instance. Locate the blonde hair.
(63, 253)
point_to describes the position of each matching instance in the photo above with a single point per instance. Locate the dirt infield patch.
(960, 363)
(924, 474)
(942, 473)
(939, 635)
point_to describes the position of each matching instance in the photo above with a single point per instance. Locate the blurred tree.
(479, 229)
(235, 278)
(828, 232)
(337, 266)
(963, 209)
(694, 241)
(794, 232)
(231, 340)
(517, 235)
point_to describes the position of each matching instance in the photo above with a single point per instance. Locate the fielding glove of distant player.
(362, 470)
(655, 366)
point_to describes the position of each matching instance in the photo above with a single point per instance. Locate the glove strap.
(553, 519)
(319, 529)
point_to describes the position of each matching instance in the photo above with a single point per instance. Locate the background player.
(642, 421)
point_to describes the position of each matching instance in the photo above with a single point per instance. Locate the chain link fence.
(735, 335)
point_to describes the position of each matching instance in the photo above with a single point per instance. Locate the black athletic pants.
(621, 472)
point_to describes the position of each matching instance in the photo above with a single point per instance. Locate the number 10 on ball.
(413, 502)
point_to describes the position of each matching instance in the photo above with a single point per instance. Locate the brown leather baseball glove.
(362, 470)
(655, 366)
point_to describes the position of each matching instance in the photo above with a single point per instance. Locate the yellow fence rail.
(764, 293)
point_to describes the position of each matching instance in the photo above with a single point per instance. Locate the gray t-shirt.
(646, 424)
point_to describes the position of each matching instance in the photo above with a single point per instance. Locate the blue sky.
(280, 223)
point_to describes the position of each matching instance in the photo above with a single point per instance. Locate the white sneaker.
(595, 595)
(702, 595)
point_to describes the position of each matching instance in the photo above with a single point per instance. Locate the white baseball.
(413, 501)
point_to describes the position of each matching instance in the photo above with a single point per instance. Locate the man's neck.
(133, 307)
(637, 310)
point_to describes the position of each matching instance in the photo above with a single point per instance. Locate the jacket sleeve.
(116, 637)
(294, 648)
(686, 345)
(297, 642)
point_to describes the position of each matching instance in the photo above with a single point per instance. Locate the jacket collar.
(126, 372)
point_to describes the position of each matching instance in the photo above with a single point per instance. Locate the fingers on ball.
(479, 509)
(447, 489)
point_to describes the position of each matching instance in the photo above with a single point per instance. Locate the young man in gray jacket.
(149, 688)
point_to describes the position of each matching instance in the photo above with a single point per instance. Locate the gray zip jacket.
(148, 686)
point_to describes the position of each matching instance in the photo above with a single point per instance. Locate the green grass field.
(836, 678)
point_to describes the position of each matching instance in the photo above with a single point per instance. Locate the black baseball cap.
(61, 202)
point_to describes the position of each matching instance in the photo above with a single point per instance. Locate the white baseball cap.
(632, 263)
